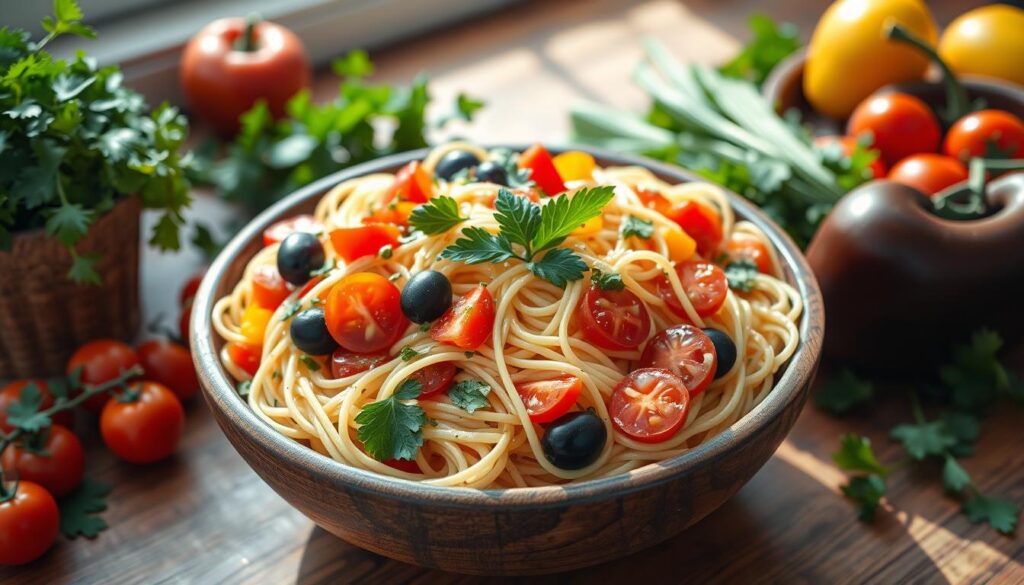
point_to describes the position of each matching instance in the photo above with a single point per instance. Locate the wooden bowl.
(784, 88)
(514, 531)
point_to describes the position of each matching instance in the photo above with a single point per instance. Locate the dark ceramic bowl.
(514, 531)
(784, 89)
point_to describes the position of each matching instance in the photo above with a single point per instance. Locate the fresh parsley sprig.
(741, 275)
(390, 428)
(607, 280)
(634, 226)
(470, 395)
(436, 217)
(531, 233)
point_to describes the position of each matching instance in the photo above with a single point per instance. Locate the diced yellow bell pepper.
(681, 247)
(575, 165)
(254, 323)
(590, 228)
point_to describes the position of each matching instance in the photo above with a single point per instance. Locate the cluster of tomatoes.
(139, 423)
(912, 149)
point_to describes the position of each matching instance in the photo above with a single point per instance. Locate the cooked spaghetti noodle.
(534, 337)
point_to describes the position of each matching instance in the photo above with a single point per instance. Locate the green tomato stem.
(247, 42)
(957, 105)
(950, 204)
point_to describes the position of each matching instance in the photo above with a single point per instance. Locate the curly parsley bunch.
(74, 141)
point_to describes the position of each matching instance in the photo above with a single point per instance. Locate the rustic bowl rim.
(221, 394)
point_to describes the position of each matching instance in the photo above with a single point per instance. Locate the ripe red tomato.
(929, 173)
(849, 144)
(147, 429)
(188, 290)
(344, 363)
(435, 378)
(355, 242)
(406, 465)
(705, 285)
(616, 320)
(542, 169)
(364, 313)
(282, 229)
(395, 213)
(743, 246)
(57, 464)
(412, 183)
(687, 352)
(247, 357)
(649, 405)
(468, 322)
(222, 80)
(269, 290)
(900, 125)
(170, 364)
(546, 400)
(11, 394)
(28, 524)
(702, 223)
(977, 133)
(101, 361)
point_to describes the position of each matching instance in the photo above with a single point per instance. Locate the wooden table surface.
(205, 517)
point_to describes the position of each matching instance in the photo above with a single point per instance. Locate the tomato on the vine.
(705, 286)
(900, 125)
(11, 393)
(546, 400)
(616, 320)
(170, 364)
(364, 313)
(985, 133)
(143, 424)
(929, 173)
(649, 405)
(101, 361)
(687, 352)
(28, 524)
(467, 323)
(56, 463)
(282, 229)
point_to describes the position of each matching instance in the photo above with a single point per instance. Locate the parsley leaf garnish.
(954, 477)
(924, 439)
(634, 226)
(606, 280)
(408, 353)
(78, 510)
(1000, 514)
(741, 275)
(564, 214)
(243, 387)
(291, 309)
(469, 395)
(843, 392)
(976, 377)
(477, 246)
(518, 217)
(855, 454)
(311, 363)
(559, 266)
(390, 428)
(866, 490)
(436, 217)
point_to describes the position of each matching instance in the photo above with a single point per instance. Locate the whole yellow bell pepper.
(849, 56)
(986, 41)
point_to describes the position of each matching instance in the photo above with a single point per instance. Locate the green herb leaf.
(465, 108)
(634, 226)
(976, 378)
(843, 392)
(606, 280)
(24, 414)
(470, 395)
(477, 246)
(83, 269)
(408, 354)
(559, 266)
(866, 491)
(244, 387)
(354, 64)
(563, 214)
(390, 428)
(924, 439)
(310, 363)
(78, 510)
(855, 454)
(954, 477)
(436, 217)
(1000, 514)
(291, 309)
(965, 429)
(518, 217)
(202, 238)
(741, 274)
(770, 44)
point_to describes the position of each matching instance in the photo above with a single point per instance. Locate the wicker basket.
(44, 316)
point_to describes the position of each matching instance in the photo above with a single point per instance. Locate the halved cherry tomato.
(246, 357)
(900, 125)
(394, 213)
(705, 285)
(928, 173)
(412, 183)
(101, 361)
(254, 323)
(188, 290)
(269, 290)
(468, 322)
(56, 464)
(613, 319)
(542, 169)
(649, 405)
(985, 133)
(742, 246)
(146, 429)
(848, 144)
(687, 352)
(355, 242)
(28, 524)
(435, 378)
(345, 363)
(546, 400)
(300, 223)
(702, 223)
(11, 394)
(406, 465)
(364, 313)
(170, 364)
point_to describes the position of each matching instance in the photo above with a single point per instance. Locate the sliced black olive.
(725, 349)
(453, 162)
(574, 440)
(491, 172)
(299, 255)
(310, 334)
(426, 296)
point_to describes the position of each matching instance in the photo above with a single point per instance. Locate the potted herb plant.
(80, 156)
